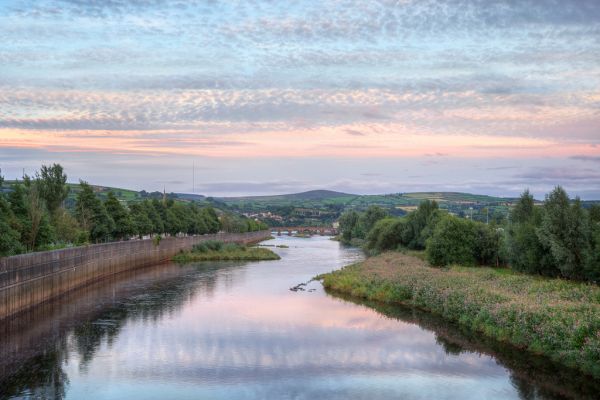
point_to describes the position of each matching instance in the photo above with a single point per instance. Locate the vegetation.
(355, 226)
(214, 250)
(553, 317)
(44, 212)
(322, 207)
(558, 238)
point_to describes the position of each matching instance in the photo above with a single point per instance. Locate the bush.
(385, 235)
(452, 242)
(209, 245)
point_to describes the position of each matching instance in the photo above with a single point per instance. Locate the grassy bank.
(219, 251)
(553, 317)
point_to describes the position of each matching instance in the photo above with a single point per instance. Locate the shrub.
(209, 245)
(452, 242)
(385, 235)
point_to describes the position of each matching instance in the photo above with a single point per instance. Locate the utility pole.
(193, 177)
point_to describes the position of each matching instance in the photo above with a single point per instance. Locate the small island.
(215, 250)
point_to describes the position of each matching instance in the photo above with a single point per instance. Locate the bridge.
(305, 230)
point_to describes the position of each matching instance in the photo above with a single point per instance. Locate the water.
(235, 330)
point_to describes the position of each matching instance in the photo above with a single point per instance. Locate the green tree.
(348, 222)
(565, 231)
(420, 225)
(120, 215)
(9, 236)
(592, 268)
(211, 219)
(526, 252)
(66, 228)
(141, 223)
(32, 218)
(386, 234)
(368, 219)
(52, 186)
(92, 215)
(453, 242)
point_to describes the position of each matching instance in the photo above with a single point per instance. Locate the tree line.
(33, 216)
(559, 238)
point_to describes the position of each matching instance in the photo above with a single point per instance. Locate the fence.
(30, 279)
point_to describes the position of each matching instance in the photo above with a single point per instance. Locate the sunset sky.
(279, 96)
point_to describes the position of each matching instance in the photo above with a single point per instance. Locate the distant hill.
(318, 206)
(309, 195)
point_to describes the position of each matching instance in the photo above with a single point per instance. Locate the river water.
(236, 331)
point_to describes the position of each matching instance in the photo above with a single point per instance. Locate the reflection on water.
(236, 331)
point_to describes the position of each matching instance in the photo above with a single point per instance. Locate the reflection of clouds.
(249, 338)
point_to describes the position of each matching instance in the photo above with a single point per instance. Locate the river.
(237, 331)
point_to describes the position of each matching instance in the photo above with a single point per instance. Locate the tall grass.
(554, 317)
(215, 250)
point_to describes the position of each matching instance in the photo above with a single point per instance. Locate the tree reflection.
(534, 377)
(38, 341)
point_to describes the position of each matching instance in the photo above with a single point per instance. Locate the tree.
(526, 252)
(120, 215)
(92, 215)
(420, 224)
(386, 234)
(31, 218)
(565, 231)
(52, 186)
(523, 210)
(9, 236)
(141, 223)
(66, 228)
(592, 267)
(348, 222)
(211, 219)
(452, 242)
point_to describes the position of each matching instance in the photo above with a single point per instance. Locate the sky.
(256, 97)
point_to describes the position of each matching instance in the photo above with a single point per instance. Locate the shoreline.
(551, 317)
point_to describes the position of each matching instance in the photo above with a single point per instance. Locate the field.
(553, 317)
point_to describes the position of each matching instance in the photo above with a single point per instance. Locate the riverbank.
(219, 251)
(553, 317)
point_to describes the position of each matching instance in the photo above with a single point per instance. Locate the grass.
(553, 317)
(213, 250)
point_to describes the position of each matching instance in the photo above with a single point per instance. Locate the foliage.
(215, 250)
(452, 242)
(558, 239)
(33, 215)
(564, 229)
(239, 224)
(354, 225)
(31, 218)
(53, 188)
(554, 317)
(123, 226)
(9, 236)
(411, 231)
(92, 215)
(561, 238)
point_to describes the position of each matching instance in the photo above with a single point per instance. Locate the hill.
(320, 207)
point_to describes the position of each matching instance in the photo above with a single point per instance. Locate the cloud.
(352, 132)
(586, 158)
